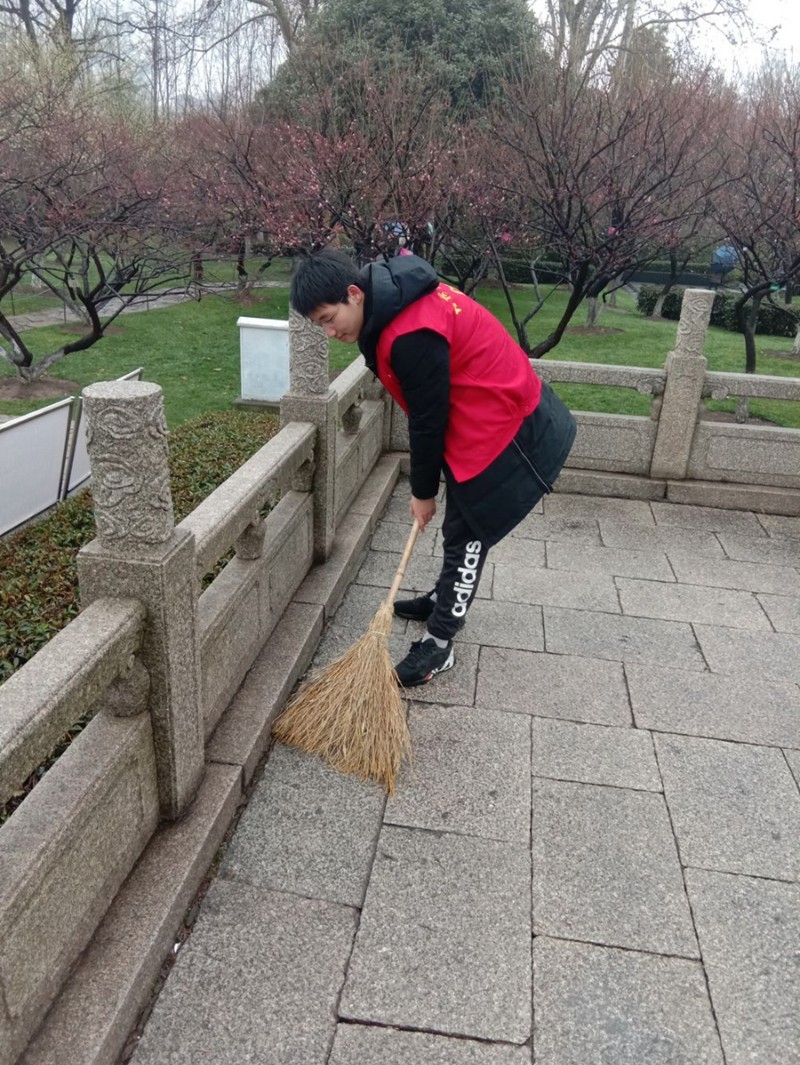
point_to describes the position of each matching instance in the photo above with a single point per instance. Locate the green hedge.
(39, 592)
(772, 320)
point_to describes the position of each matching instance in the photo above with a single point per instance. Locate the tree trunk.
(665, 291)
(748, 319)
(592, 311)
(241, 269)
(796, 345)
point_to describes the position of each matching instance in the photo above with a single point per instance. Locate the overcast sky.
(767, 14)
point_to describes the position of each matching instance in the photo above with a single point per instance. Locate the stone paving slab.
(793, 759)
(758, 549)
(569, 530)
(625, 639)
(359, 607)
(780, 526)
(749, 930)
(715, 706)
(493, 623)
(767, 656)
(678, 602)
(444, 940)
(735, 807)
(470, 774)
(545, 587)
(599, 1006)
(605, 869)
(746, 576)
(392, 536)
(594, 754)
(587, 508)
(356, 1044)
(662, 538)
(558, 686)
(257, 981)
(307, 829)
(783, 611)
(621, 562)
(710, 519)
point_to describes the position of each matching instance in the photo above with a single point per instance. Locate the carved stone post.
(680, 407)
(138, 554)
(311, 399)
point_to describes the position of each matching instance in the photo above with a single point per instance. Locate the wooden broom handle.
(401, 569)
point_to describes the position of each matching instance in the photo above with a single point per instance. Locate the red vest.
(492, 385)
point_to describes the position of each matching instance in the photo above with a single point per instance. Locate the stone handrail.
(646, 381)
(225, 515)
(68, 676)
(755, 386)
(350, 388)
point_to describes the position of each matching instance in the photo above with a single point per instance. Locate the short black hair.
(322, 278)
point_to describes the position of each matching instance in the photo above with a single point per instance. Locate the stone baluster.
(680, 406)
(139, 554)
(311, 399)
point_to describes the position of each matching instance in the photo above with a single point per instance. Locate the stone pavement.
(595, 858)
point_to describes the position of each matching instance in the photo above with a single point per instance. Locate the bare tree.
(290, 16)
(586, 36)
(84, 208)
(597, 182)
(760, 211)
(41, 20)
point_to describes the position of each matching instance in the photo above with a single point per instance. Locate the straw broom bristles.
(351, 714)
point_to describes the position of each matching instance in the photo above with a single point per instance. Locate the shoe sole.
(451, 661)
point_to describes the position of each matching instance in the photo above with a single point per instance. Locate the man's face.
(344, 321)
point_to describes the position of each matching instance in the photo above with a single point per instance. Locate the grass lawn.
(192, 351)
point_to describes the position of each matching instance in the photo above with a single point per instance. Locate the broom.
(351, 714)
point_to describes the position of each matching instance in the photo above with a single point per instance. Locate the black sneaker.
(423, 661)
(419, 609)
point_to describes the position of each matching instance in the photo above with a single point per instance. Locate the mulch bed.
(45, 388)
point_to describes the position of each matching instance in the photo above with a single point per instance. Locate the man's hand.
(423, 510)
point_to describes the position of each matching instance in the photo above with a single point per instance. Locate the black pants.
(464, 556)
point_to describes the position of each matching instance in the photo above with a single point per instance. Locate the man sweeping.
(477, 413)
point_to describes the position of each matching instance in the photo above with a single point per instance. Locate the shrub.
(773, 320)
(39, 594)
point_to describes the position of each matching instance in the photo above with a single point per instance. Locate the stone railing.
(155, 659)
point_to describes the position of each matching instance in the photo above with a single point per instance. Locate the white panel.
(264, 350)
(79, 464)
(31, 459)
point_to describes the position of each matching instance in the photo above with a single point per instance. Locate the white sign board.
(264, 352)
(32, 452)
